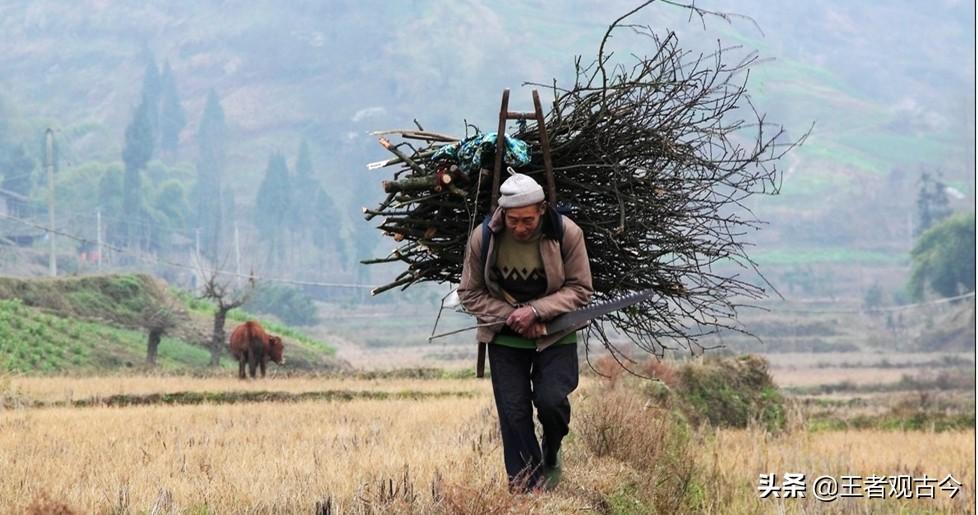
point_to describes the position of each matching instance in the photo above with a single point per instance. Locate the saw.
(577, 319)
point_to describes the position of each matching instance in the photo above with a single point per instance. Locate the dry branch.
(654, 159)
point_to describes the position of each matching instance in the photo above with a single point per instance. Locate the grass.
(386, 452)
(206, 307)
(32, 341)
(827, 255)
(95, 324)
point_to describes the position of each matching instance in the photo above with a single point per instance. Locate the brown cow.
(250, 343)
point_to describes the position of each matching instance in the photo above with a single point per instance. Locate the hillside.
(886, 104)
(94, 324)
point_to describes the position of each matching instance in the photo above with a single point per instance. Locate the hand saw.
(577, 319)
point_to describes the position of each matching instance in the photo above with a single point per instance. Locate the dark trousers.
(521, 379)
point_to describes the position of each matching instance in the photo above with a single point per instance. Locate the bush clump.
(290, 305)
(731, 392)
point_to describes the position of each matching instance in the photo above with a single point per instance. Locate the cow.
(250, 344)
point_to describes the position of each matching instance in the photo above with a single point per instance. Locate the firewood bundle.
(654, 159)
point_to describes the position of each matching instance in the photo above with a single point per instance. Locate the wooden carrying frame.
(504, 115)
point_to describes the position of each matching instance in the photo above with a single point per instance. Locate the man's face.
(522, 222)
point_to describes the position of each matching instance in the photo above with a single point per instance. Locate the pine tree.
(272, 207)
(172, 117)
(302, 219)
(110, 201)
(210, 169)
(151, 95)
(326, 229)
(136, 153)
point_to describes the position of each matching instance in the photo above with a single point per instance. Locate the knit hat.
(520, 190)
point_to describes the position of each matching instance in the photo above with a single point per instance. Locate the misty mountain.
(889, 88)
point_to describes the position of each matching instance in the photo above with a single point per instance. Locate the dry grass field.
(435, 452)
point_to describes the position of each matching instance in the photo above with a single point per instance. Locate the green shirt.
(519, 342)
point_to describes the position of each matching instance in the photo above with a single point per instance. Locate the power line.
(157, 260)
(229, 273)
(876, 310)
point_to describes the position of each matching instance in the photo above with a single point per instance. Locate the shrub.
(732, 393)
(619, 422)
(288, 304)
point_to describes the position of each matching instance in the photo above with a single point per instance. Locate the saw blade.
(577, 319)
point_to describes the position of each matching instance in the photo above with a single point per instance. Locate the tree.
(932, 203)
(158, 320)
(326, 226)
(226, 300)
(110, 200)
(169, 210)
(151, 94)
(305, 189)
(289, 304)
(136, 153)
(210, 168)
(944, 258)
(172, 117)
(273, 207)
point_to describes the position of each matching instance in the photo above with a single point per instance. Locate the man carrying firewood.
(526, 265)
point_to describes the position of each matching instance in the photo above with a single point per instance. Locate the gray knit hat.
(520, 190)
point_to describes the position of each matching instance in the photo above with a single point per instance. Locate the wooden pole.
(545, 149)
(500, 150)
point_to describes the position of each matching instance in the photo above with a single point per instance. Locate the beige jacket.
(566, 266)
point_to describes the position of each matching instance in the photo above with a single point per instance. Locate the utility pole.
(49, 164)
(237, 256)
(98, 237)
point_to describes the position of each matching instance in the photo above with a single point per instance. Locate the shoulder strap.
(486, 236)
(557, 214)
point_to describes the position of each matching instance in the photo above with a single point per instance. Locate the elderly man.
(533, 267)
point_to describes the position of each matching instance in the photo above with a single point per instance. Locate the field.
(388, 444)
(406, 428)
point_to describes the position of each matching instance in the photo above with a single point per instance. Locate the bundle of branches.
(653, 159)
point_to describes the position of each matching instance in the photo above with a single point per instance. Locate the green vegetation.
(211, 161)
(233, 397)
(32, 341)
(944, 258)
(731, 393)
(285, 302)
(96, 323)
(826, 255)
(920, 421)
(863, 132)
(119, 299)
(206, 307)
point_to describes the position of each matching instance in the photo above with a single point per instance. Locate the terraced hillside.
(95, 324)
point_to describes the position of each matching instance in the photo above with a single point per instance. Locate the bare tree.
(225, 298)
(158, 320)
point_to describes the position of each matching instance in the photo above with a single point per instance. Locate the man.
(535, 268)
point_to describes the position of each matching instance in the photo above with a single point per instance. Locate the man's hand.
(521, 319)
(536, 330)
